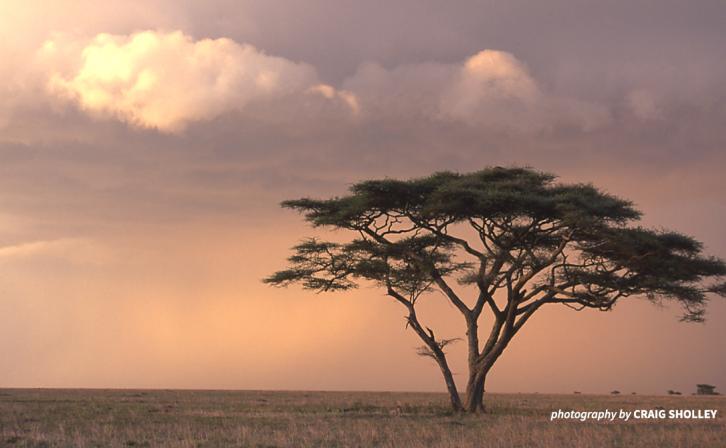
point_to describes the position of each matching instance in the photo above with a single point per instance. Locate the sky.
(145, 147)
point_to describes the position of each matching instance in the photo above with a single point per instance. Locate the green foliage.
(491, 193)
(569, 243)
(325, 266)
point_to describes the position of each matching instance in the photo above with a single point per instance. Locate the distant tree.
(705, 389)
(513, 237)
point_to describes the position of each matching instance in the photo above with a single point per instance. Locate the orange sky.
(144, 149)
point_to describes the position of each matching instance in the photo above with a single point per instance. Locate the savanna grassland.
(174, 418)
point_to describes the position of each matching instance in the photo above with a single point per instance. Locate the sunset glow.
(145, 148)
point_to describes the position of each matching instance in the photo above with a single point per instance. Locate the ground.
(171, 418)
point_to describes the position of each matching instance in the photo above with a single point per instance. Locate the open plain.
(186, 418)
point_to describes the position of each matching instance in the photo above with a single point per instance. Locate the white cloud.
(495, 90)
(167, 80)
(489, 90)
(488, 77)
(492, 88)
(329, 92)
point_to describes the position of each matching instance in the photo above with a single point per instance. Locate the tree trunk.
(478, 374)
(437, 354)
(475, 384)
(451, 387)
(475, 392)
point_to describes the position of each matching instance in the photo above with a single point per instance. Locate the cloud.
(494, 89)
(330, 93)
(491, 90)
(167, 80)
(491, 78)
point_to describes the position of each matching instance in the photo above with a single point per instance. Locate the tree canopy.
(514, 236)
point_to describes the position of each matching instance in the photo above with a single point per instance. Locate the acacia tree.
(500, 242)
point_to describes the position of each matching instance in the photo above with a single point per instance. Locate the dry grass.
(115, 418)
